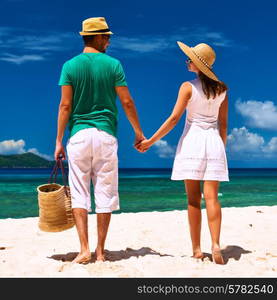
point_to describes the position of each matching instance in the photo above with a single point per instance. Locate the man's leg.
(105, 180)
(79, 163)
(81, 220)
(103, 221)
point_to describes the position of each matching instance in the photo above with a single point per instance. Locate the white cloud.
(45, 42)
(52, 42)
(204, 34)
(258, 114)
(164, 150)
(20, 59)
(223, 43)
(243, 144)
(30, 40)
(9, 147)
(35, 151)
(41, 46)
(162, 43)
(271, 147)
(12, 147)
(140, 44)
(241, 141)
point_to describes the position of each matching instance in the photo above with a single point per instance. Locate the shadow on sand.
(111, 255)
(228, 252)
(233, 251)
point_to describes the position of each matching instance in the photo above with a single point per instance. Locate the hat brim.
(94, 33)
(203, 68)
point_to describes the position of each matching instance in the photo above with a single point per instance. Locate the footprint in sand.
(269, 254)
(5, 248)
(66, 266)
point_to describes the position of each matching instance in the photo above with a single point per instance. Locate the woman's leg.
(214, 217)
(194, 215)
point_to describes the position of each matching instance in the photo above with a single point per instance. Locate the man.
(90, 83)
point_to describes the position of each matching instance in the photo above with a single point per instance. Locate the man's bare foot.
(82, 258)
(100, 255)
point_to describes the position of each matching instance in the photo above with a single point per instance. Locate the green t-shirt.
(93, 77)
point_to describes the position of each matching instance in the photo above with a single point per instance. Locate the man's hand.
(59, 152)
(63, 117)
(138, 139)
(144, 145)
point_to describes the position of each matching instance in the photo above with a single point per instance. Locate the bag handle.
(54, 172)
(58, 164)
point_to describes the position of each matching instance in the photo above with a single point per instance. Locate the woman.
(200, 154)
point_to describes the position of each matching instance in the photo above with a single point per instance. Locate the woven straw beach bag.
(54, 201)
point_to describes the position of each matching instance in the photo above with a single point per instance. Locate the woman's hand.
(144, 145)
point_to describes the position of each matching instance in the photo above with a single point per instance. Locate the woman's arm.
(223, 120)
(183, 97)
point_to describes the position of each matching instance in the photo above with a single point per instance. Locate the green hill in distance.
(25, 160)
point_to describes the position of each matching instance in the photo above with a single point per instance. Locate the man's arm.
(65, 108)
(130, 111)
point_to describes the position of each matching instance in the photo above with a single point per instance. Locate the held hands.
(142, 144)
(138, 139)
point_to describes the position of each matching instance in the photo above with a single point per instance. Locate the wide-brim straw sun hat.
(95, 26)
(203, 56)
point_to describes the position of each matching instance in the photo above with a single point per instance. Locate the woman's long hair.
(211, 88)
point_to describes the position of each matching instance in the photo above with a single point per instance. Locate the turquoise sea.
(140, 190)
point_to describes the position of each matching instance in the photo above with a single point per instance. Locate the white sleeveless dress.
(201, 153)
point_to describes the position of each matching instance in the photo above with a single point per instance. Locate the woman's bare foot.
(100, 255)
(198, 254)
(82, 258)
(217, 256)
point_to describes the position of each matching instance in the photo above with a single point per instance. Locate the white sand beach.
(149, 244)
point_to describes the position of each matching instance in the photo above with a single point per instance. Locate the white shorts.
(92, 156)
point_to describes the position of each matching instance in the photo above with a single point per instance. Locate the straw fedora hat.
(94, 26)
(203, 56)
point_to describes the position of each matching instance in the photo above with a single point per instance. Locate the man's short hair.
(88, 39)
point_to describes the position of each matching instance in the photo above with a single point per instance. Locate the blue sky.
(36, 38)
